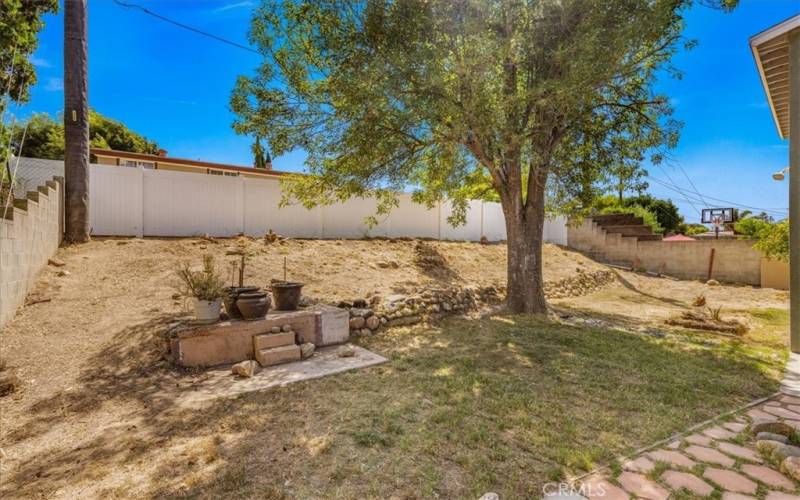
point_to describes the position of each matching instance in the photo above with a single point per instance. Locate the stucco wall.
(775, 274)
(734, 260)
(27, 241)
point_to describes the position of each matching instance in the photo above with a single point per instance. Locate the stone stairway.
(627, 226)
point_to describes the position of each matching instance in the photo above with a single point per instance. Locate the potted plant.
(231, 295)
(206, 287)
(286, 294)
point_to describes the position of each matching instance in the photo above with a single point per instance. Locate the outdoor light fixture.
(781, 174)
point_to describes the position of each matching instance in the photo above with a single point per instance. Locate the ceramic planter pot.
(231, 294)
(253, 305)
(286, 295)
(207, 311)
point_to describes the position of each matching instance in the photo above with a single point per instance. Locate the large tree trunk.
(525, 293)
(524, 228)
(76, 122)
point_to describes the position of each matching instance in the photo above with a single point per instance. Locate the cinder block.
(278, 355)
(270, 340)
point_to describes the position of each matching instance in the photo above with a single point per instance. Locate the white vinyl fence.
(140, 202)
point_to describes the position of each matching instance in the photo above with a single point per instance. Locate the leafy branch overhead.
(438, 94)
(451, 97)
(20, 22)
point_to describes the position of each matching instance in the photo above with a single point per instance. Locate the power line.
(186, 26)
(691, 183)
(681, 192)
(676, 188)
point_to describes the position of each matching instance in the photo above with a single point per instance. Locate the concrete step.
(647, 237)
(270, 340)
(278, 355)
(639, 230)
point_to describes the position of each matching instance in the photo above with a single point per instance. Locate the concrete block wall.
(27, 241)
(735, 261)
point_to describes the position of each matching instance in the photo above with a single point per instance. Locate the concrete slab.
(220, 383)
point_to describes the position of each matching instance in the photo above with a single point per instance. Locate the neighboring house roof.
(111, 153)
(678, 237)
(34, 172)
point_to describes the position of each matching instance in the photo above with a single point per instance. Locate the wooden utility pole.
(76, 122)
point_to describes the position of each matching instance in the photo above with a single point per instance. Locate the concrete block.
(334, 326)
(232, 341)
(278, 355)
(270, 340)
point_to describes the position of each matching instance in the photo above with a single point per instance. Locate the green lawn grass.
(500, 404)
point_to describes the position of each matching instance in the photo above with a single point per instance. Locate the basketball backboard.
(717, 215)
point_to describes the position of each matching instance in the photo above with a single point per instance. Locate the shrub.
(693, 229)
(773, 238)
(773, 241)
(751, 227)
(202, 285)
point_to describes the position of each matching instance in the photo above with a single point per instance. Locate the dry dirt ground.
(94, 418)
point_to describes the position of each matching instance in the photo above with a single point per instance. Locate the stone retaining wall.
(29, 235)
(367, 316)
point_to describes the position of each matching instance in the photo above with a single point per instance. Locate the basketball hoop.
(718, 217)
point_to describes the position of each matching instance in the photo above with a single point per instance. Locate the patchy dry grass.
(504, 404)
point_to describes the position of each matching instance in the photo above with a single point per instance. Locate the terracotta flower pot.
(207, 311)
(253, 305)
(286, 295)
(231, 294)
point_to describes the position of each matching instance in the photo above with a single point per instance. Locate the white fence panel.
(140, 202)
(346, 220)
(471, 230)
(410, 219)
(555, 230)
(189, 204)
(261, 212)
(115, 204)
(494, 222)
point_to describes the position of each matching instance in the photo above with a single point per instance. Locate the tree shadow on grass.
(433, 264)
(630, 286)
(472, 406)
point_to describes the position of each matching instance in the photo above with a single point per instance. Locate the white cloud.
(233, 6)
(54, 84)
(40, 62)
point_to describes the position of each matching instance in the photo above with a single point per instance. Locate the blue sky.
(173, 86)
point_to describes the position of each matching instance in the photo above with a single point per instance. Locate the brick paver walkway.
(718, 461)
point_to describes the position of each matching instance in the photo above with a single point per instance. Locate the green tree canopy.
(20, 23)
(437, 94)
(772, 237)
(44, 137)
(774, 241)
(666, 212)
(259, 158)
